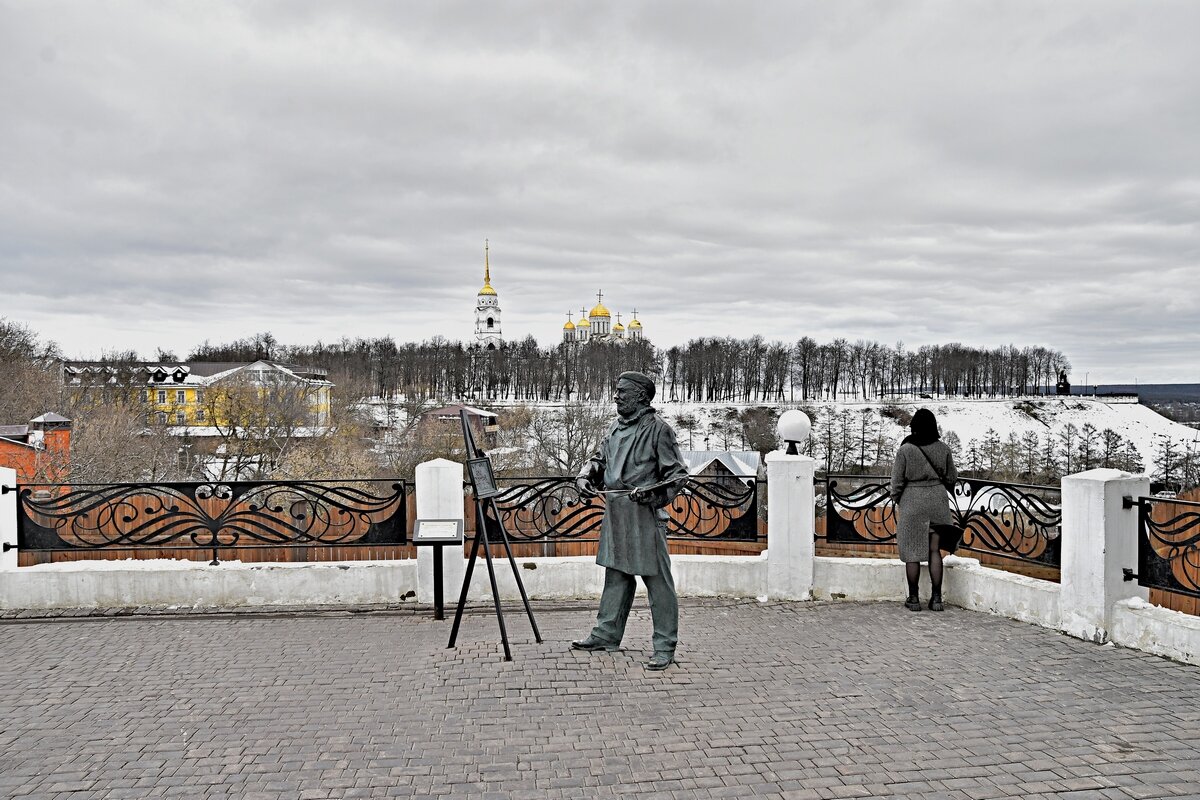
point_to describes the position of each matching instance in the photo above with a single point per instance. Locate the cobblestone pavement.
(790, 700)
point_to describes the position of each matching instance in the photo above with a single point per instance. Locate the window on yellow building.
(162, 395)
(162, 418)
(144, 396)
(180, 418)
(180, 396)
(200, 415)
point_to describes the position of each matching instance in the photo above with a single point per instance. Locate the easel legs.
(537, 635)
(481, 537)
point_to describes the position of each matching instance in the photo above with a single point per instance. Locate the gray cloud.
(920, 171)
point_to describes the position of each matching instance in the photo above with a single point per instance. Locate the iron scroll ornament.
(1007, 519)
(1169, 545)
(541, 509)
(211, 515)
(535, 509)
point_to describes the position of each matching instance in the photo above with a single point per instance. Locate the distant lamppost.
(793, 427)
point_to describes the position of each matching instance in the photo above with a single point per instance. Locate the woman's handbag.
(949, 536)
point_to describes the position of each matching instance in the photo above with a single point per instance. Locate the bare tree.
(260, 419)
(29, 374)
(688, 423)
(562, 439)
(113, 443)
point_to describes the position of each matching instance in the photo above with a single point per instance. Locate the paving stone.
(775, 700)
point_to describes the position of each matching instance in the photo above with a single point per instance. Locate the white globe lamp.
(793, 427)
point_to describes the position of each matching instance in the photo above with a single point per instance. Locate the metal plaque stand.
(483, 482)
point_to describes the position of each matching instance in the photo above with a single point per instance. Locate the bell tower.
(487, 309)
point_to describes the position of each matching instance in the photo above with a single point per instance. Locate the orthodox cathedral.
(595, 325)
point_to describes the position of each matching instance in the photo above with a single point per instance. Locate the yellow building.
(202, 398)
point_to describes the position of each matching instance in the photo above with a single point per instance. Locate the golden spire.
(487, 273)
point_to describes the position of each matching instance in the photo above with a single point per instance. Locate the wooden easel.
(487, 520)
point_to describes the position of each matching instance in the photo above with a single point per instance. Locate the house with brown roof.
(39, 451)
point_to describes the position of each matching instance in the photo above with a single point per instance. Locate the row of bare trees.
(754, 370)
(1177, 462)
(717, 370)
(441, 368)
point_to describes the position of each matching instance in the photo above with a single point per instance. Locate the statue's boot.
(591, 643)
(660, 661)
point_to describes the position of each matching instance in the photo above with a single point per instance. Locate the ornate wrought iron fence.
(215, 515)
(543, 509)
(1168, 545)
(1010, 520)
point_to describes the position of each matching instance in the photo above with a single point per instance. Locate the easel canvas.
(487, 521)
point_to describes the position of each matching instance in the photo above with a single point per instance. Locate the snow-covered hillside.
(969, 420)
(972, 419)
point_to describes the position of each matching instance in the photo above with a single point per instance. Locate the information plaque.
(438, 531)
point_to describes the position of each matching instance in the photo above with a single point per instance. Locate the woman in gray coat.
(923, 471)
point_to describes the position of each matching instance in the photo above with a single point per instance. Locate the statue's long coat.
(636, 454)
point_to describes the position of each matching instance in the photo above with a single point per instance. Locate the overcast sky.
(983, 172)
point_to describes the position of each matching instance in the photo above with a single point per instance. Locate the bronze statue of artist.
(640, 469)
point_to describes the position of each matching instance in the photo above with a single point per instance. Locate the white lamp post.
(793, 427)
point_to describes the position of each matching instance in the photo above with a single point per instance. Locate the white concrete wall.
(1137, 624)
(858, 579)
(165, 583)
(966, 584)
(563, 578)
(972, 586)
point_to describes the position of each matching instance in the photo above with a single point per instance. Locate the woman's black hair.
(924, 428)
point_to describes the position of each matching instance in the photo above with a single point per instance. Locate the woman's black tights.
(912, 570)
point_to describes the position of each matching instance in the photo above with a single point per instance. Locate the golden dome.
(583, 323)
(487, 290)
(633, 323)
(570, 326)
(619, 327)
(599, 311)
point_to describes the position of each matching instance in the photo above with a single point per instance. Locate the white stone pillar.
(440, 496)
(8, 518)
(1099, 539)
(791, 525)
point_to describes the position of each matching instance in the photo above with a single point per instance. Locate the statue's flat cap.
(641, 380)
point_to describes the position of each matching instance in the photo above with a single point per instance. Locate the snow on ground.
(970, 419)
